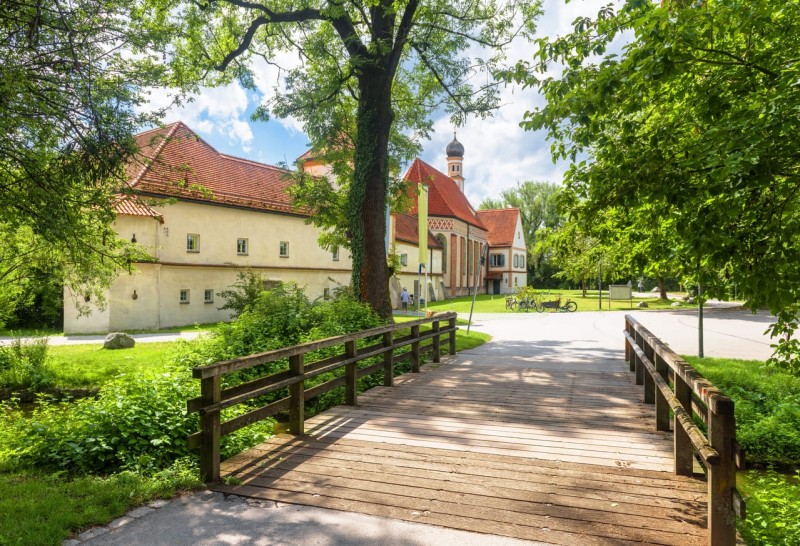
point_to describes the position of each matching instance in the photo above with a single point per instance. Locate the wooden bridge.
(515, 447)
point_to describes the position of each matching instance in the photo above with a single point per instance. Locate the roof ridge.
(498, 210)
(251, 162)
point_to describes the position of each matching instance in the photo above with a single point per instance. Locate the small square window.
(184, 297)
(403, 259)
(208, 296)
(242, 247)
(336, 254)
(192, 242)
(326, 294)
(284, 249)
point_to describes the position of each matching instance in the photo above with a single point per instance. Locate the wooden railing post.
(296, 397)
(684, 459)
(721, 477)
(649, 382)
(628, 350)
(210, 426)
(415, 349)
(388, 360)
(639, 367)
(451, 324)
(437, 351)
(351, 381)
(662, 407)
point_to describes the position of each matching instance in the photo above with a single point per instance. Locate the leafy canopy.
(694, 123)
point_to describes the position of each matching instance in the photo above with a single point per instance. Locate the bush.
(23, 365)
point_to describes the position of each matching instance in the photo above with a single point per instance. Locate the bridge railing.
(676, 388)
(213, 398)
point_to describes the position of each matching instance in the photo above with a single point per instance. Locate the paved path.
(565, 349)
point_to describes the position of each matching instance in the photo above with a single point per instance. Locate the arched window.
(443, 241)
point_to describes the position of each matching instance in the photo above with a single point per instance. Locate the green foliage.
(44, 509)
(773, 503)
(136, 423)
(689, 133)
(71, 100)
(24, 365)
(249, 284)
(767, 407)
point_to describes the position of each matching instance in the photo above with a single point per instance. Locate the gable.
(444, 196)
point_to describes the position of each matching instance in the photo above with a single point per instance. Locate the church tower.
(455, 159)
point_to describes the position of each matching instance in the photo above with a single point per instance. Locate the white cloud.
(269, 79)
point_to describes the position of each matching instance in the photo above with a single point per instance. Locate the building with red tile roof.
(465, 234)
(204, 217)
(506, 268)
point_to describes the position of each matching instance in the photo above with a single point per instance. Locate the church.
(204, 217)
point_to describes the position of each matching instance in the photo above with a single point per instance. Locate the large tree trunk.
(367, 200)
(662, 288)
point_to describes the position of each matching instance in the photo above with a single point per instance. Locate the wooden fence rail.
(213, 399)
(674, 386)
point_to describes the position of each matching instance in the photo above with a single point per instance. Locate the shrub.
(23, 365)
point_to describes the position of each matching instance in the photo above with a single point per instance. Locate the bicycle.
(568, 307)
(511, 303)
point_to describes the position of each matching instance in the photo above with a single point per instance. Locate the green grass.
(81, 366)
(767, 405)
(39, 509)
(464, 341)
(488, 303)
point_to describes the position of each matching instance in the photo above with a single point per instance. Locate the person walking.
(404, 299)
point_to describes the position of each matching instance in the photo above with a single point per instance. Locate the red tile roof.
(406, 229)
(174, 161)
(444, 196)
(131, 206)
(502, 225)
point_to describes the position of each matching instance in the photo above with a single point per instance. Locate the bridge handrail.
(213, 399)
(691, 394)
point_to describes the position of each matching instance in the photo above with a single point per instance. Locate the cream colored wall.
(96, 322)
(219, 227)
(409, 273)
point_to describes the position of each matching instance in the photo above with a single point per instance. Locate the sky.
(498, 154)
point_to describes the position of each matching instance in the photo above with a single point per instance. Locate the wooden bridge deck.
(518, 450)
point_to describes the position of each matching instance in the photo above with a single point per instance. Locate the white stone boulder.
(118, 340)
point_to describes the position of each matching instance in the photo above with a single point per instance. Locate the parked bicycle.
(555, 306)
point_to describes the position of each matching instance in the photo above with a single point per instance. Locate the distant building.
(209, 216)
(465, 234)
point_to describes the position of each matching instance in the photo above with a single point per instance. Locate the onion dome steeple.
(455, 158)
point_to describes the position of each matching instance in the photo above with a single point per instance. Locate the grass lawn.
(45, 510)
(464, 341)
(81, 366)
(488, 303)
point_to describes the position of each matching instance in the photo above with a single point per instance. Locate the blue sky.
(498, 153)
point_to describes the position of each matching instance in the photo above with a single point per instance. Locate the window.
(242, 247)
(497, 260)
(336, 254)
(516, 260)
(326, 294)
(516, 281)
(208, 296)
(184, 297)
(192, 242)
(522, 260)
(403, 259)
(284, 249)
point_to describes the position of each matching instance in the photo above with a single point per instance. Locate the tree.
(68, 95)
(694, 118)
(538, 206)
(366, 69)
